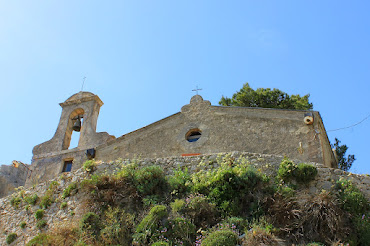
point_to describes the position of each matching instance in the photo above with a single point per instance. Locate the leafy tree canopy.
(266, 98)
(344, 162)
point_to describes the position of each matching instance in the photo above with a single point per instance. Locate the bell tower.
(80, 113)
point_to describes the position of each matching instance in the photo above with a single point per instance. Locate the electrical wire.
(342, 128)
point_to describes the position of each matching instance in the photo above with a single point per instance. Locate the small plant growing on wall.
(23, 224)
(301, 173)
(89, 166)
(41, 224)
(32, 200)
(63, 205)
(11, 238)
(15, 201)
(39, 214)
(68, 191)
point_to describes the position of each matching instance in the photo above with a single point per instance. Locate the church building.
(199, 128)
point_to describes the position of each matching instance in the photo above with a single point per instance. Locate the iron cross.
(197, 89)
(83, 82)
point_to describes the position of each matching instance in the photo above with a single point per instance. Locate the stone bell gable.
(50, 158)
(198, 129)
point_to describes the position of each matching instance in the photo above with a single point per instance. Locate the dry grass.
(311, 219)
(111, 191)
(259, 236)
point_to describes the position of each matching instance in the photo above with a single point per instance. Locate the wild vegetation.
(229, 205)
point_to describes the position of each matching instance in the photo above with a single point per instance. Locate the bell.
(77, 125)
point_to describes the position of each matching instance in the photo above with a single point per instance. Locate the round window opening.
(193, 135)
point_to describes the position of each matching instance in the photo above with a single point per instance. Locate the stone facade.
(199, 128)
(10, 217)
(11, 178)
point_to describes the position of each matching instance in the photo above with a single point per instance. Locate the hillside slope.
(242, 198)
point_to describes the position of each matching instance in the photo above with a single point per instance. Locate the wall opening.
(67, 167)
(71, 138)
(75, 138)
(193, 135)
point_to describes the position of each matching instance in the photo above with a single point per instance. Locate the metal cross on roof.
(83, 82)
(197, 89)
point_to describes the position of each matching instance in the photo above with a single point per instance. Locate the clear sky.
(143, 58)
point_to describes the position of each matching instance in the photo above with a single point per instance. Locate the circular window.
(193, 135)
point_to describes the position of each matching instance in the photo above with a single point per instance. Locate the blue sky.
(143, 58)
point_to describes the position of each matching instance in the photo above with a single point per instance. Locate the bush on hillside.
(230, 186)
(117, 227)
(91, 223)
(220, 237)
(147, 230)
(201, 211)
(301, 173)
(180, 182)
(351, 198)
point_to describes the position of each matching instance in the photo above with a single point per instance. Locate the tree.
(266, 98)
(344, 163)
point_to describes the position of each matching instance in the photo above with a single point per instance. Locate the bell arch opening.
(73, 132)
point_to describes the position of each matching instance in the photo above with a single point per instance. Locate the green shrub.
(315, 244)
(39, 214)
(118, 226)
(362, 227)
(222, 237)
(180, 182)
(41, 224)
(151, 220)
(178, 205)
(230, 187)
(41, 239)
(11, 238)
(149, 201)
(22, 224)
(32, 200)
(236, 223)
(89, 166)
(63, 205)
(149, 226)
(15, 201)
(202, 212)
(286, 190)
(70, 188)
(150, 181)
(160, 243)
(46, 200)
(351, 198)
(90, 222)
(53, 185)
(286, 171)
(180, 231)
(305, 173)
(302, 173)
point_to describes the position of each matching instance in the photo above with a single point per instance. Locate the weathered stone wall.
(224, 129)
(10, 218)
(11, 178)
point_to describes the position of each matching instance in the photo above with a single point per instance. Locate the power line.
(350, 125)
